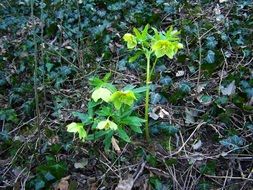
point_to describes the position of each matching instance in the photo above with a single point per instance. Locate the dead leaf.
(180, 73)
(223, 1)
(229, 90)
(63, 184)
(197, 145)
(158, 112)
(163, 113)
(153, 115)
(81, 164)
(126, 184)
(190, 116)
(201, 87)
(217, 10)
(115, 145)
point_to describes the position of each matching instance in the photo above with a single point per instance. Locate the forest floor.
(201, 107)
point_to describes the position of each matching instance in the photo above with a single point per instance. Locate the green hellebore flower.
(163, 47)
(77, 128)
(122, 97)
(107, 124)
(101, 93)
(131, 40)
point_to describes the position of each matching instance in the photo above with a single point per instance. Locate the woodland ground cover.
(52, 54)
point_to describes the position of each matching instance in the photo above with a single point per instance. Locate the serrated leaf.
(123, 135)
(107, 140)
(135, 57)
(133, 120)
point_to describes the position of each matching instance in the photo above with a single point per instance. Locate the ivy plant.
(110, 113)
(155, 45)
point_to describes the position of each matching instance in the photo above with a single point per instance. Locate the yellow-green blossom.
(101, 93)
(131, 40)
(122, 97)
(107, 124)
(77, 128)
(166, 47)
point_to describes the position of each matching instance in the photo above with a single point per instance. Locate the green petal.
(73, 127)
(122, 97)
(102, 125)
(107, 124)
(113, 125)
(101, 93)
(170, 54)
(77, 128)
(82, 134)
(131, 40)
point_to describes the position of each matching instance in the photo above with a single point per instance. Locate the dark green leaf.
(123, 135)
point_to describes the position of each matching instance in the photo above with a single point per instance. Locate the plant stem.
(147, 97)
(35, 75)
(153, 67)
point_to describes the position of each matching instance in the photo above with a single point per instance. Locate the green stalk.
(147, 98)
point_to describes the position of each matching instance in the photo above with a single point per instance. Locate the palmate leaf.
(77, 128)
(134, 123)
(123, 135)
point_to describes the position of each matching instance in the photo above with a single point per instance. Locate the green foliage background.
(78, 39)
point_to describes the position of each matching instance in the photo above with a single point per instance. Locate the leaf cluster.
(110, 113)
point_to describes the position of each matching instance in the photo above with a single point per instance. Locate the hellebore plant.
(157, 45)
(110, 112)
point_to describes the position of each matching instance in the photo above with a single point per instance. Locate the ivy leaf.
(233, 142)
(210, 58)
(155, 98)
(166, 80)
(123, 135)
(101, 93)
(77, 128)
(229, 90)
(211, 42)
(185, 87)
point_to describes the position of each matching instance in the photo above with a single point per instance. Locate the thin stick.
(37, 121)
